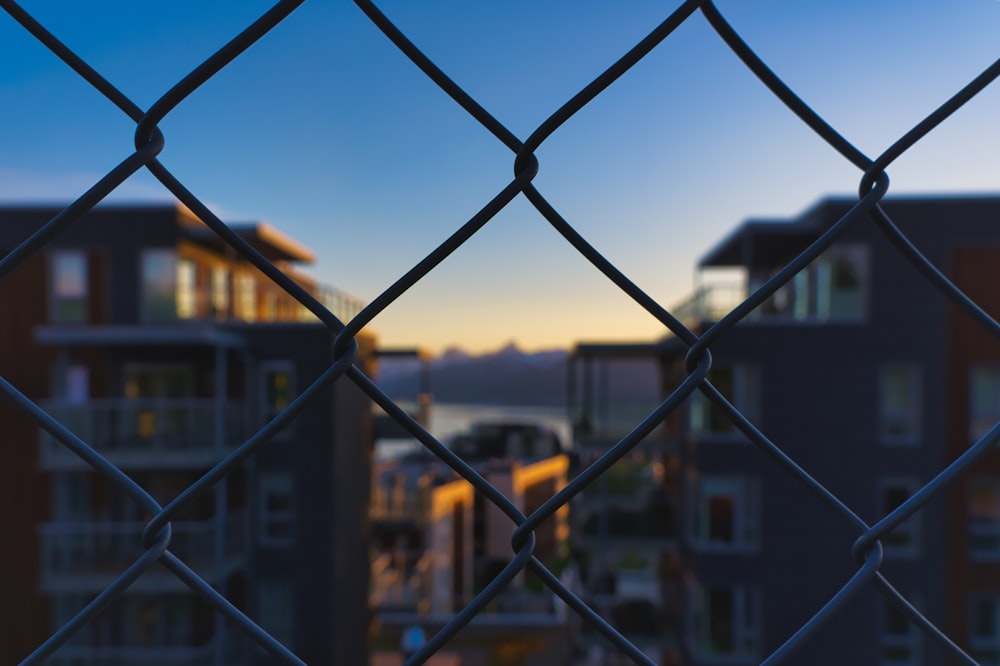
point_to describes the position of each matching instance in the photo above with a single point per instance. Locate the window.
(159, 409)
(68, 274)
(984, 629)
(269, 306)
(832, 288)
(277, 515)
(984, 399)
(904, 540)
(984, 519)
(169, 286)
(76, 390)
(726, 622)
(246, 297)
(841, 274)
(277, 391)
(71, 496)
(220, 292)
(899, 390)
(727, 515)
(899, 639)
(186, 288)
(739, 385)
(159, 285)
(276, 609)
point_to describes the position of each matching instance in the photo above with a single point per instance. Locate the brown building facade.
(164, 350)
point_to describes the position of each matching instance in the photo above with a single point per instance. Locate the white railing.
(393, 587)
(710, 303)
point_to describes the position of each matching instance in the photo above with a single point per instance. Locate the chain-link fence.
(157, 535)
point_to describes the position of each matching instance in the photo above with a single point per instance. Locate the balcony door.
(162, 402)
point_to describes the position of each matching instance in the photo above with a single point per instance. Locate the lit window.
(727, 516)
(984, 519)
(269, 306)
(159, 285)
(246, 297)
(904, 540)
(220, 292)
(899, 639)
(739, 385)
(68, 272)
(277, 391)
(277, 514)
(186, 288)
(984, 629)
(899, 404)
(984, 405)
(726, 622)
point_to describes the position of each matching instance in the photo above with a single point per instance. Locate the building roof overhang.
(273, 244)
(170, 335)
(760, 243)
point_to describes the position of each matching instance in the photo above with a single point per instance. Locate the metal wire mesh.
(873, 186)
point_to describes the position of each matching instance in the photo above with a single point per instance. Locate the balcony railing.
(395, 588)
(145, 432)
(72, 655)
(85, 555)
(710, 303)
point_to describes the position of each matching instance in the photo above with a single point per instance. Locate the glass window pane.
(159, 285)
(721, 519)
(186, 288)
(985, 399)
(220, 292)
(277, 511)
(726, 513)
(903, 540)
(983, 504)
(899, 404)
(720, 620)
(984, 519)
(276, 608)
(984, 618)
(842, 288)
(69, 287)
(246, 297)
(279, 390)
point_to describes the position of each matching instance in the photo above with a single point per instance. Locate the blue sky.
(326, 131)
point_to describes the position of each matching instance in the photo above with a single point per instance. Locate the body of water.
(448, 420)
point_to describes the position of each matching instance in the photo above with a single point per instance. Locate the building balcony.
(235, 651)
(72, 655)
(146, 433)
(709, 303)
(831, 290)
(392, 587)
(88, 556)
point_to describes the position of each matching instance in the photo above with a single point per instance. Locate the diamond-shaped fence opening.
(170, 553)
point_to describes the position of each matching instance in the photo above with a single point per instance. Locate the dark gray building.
(872, 382)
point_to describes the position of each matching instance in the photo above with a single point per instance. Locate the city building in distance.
(436, 543)
(164, 349)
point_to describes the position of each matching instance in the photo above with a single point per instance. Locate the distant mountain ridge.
(508, 376)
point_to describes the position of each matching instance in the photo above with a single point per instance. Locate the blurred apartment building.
(436, 543)
(625, 525)
(161, 347)
(872, 382)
